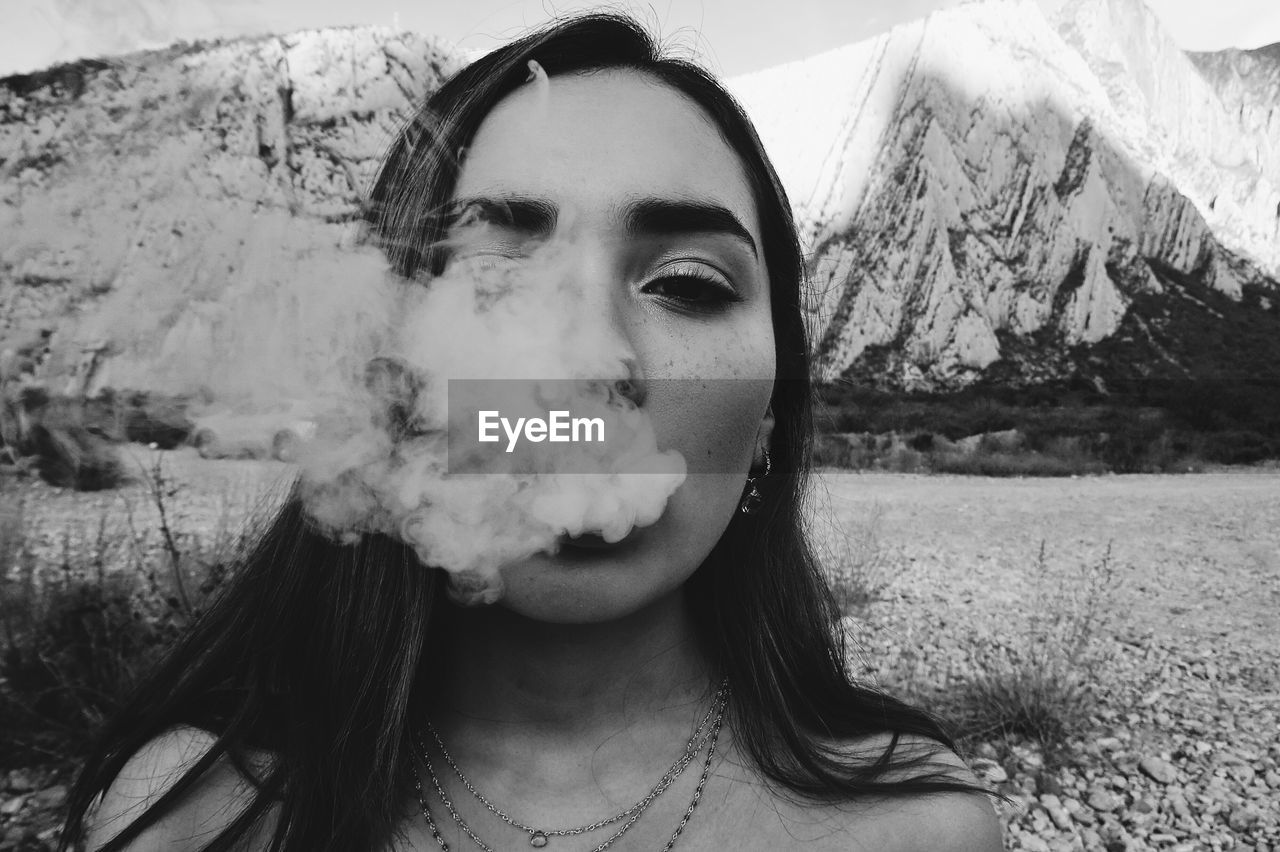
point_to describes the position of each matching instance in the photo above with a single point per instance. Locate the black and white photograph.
(823, 425)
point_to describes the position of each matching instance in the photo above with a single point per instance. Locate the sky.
(729, 36)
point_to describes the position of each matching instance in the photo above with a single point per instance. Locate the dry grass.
(1035, 678)
(1040, 682)
(859, 565)
(77, 635)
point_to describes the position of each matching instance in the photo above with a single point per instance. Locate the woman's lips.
(593, 542)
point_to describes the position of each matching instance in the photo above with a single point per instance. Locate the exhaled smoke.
(514, 336)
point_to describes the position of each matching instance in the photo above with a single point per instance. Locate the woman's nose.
(633, 388)
(606, 321)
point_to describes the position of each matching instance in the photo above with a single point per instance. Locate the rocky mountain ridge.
(996, 186)
(1248, 84)
(988, 194)
(166, 213)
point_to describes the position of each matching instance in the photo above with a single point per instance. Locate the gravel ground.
(207, 500)
(1184, 753)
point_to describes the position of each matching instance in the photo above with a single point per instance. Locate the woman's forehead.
(588, 142)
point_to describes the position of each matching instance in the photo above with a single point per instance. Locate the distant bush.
(1068, 429)
(1000, 463)
(1210, 406)
(70, 456)
(1142, 448)
(833, 451)
(843, 419)
(151, 419)
(979, 455)
(903, 459)
(921, 443)
(70, 441)
(138, 416)
(1239, 446)
(889, 453)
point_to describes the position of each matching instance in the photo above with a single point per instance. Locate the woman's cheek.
(710, 388)
(712, 423)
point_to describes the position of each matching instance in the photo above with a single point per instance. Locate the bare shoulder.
(937, 822)
(218, 798)
(942, 822)
(757, 816)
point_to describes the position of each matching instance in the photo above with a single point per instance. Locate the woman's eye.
(693, 288)
(490, 262)
(482, 263)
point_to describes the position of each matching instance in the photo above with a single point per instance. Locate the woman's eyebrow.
(663, 216)
(646, 217)
(533, 216)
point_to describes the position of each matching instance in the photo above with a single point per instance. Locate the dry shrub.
(85, 643)
(70, 456)
(833, 451)
(859, 565)
(76, 637)
(1002, 463)
(141, 417)
(995, 454)
(1041, 683)
(903, 459)
(865, 451)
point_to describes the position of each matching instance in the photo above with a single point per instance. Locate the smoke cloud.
(496, 331)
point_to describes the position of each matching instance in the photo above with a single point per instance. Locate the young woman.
(682, 687)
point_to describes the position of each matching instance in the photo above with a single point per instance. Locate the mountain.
(1248, 84)
(992, 194)
(166, 214)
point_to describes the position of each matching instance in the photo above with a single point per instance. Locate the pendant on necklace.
(537, 840)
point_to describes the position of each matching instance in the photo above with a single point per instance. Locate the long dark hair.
(314, 650)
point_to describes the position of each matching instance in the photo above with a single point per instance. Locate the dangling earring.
(752, 498)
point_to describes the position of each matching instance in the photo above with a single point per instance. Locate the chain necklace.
(538, 838)
(675, 835)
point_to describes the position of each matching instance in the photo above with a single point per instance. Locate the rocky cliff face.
(1178, 119)
(991, 182)
(987, 193)
(163, 212)
(1247, 82)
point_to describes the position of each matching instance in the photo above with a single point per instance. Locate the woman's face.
(654, 221)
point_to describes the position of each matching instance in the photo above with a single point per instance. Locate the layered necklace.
(705, 736)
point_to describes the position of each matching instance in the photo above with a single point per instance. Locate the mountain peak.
(74, 72)
(1248, 84)
(981, 191)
